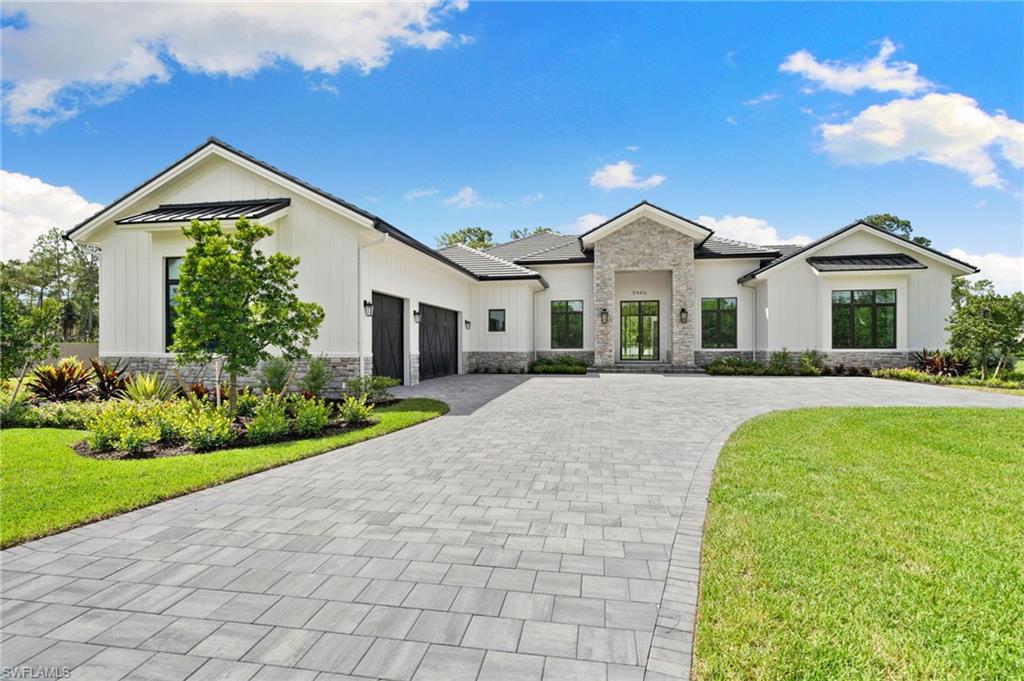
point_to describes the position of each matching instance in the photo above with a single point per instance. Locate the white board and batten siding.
(516, 299)
(717, 278)
(566, 282)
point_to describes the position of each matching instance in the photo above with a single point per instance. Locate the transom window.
(567, 324)
(496, 320)
(718, 322)
(864, 318)
(172, 267)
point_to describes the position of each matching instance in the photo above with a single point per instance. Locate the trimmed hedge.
(563, 364)
(915, 376)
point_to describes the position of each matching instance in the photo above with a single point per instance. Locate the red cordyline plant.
(67, 380)
(940, 363)
(110, 380)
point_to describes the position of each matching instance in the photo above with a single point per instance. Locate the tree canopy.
(985, 325)
(898, 226)
(235, 302)
(526, 231)
(474, 237)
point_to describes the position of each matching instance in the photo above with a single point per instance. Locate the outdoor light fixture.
(467, 325)
(416, 316)
(683, 315)
(604, 315)
(368, 308)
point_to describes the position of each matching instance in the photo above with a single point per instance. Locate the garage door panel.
(388, 337)
(439, 342)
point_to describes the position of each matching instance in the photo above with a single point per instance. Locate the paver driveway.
(547, 528)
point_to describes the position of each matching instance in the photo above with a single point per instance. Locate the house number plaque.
(639, 293)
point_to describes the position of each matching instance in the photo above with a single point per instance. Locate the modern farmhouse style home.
(648, 288)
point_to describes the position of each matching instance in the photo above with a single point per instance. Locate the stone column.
(604, 298)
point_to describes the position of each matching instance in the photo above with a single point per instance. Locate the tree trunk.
(232, 391)
(17, 386)
(999, 365)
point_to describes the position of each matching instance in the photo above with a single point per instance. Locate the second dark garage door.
(439, 342)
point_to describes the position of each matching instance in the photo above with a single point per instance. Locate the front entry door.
(638, 333)
(388, 337)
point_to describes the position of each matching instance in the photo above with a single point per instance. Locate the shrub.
(110, 381)
(372, 389)
(269, 421)
(811, 363)
(311, 415)
(145, 387)
(560, 364)
(69, 379)
(734, 366)
(207, 429)
(200, 391)
(355, 410)
(107, 424)
(318, 375)
(170, 417)
(246, 403)
(276, 373)
(917, 376)
(13, 413)
(72, 415)
(780, 363)
(136, 436)
(941, 363)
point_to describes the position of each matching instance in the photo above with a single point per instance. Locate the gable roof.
(215, 145)
(485, 266)
(678, 222)
(860, 224)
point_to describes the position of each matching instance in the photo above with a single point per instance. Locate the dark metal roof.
(216, 210)
(854, 263)
(750, 275)
(486, 266)
(718, 247)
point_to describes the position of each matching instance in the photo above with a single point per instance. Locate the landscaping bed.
(564, 364)
(865, 543)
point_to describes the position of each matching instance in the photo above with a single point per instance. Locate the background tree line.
(61, 277)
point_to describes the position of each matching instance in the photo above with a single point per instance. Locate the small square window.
(496, 321)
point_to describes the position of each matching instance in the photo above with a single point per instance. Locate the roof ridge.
(495, 258)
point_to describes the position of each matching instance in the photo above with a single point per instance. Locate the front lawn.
(46, 487)
(866, 543)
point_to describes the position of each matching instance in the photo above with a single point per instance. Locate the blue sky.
(512, 115)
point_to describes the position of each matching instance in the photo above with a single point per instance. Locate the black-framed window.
(864, 318)
(172, 266)
(718, 322)
(496, 320)
(566, 324)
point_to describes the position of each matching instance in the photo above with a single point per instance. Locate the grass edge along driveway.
(866, 543)
(45, 487)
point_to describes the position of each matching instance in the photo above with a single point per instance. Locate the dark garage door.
(439, 342)
(388, 337)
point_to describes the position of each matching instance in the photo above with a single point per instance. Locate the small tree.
(235, 302)
(474, 237)
(27, 336)
(894, 224)
(525, 232)
(985, 324)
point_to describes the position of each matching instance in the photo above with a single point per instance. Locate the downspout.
(753, 354)
(359, 299)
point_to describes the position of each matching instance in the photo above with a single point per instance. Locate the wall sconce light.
(416, 316)
(468, 325)
(684, 316)
(368, 308)
(604, 315)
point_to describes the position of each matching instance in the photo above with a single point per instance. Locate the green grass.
(46, 487)
(866, 543)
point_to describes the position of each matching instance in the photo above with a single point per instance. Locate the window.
(496, 321)
(566, 324)
(864, 319)
(718, 322)
(171, 268)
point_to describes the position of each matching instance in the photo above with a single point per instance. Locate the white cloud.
(31, 207)
(762, 99)
(622, 175)
(586, 222)
(729, 59)
(632, 147)
(1006, 272)
(414, 194)
(467, 197)
(876, 73)
(530, 199)
(751, 230)
(62, 57)
(731, 120)
(945, 129)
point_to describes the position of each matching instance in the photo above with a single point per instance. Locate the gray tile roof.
(484, 265)
(854, 263)
(718, 247)
(522, 248)
(568, 252)
(216, 210)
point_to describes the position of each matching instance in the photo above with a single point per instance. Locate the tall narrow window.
(496, 320)
(171, 268)
(566, 324)
(718, 322)
(864, 319)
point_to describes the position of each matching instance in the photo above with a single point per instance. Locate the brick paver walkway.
(547, 529)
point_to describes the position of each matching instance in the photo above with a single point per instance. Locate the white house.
(647, 287)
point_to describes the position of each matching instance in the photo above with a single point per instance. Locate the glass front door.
(638, 333)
